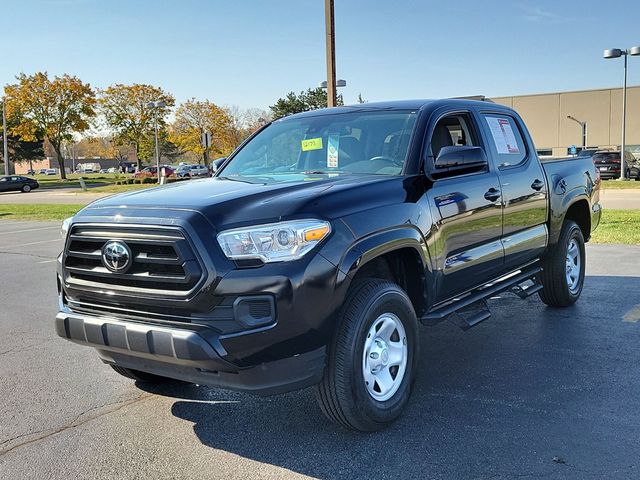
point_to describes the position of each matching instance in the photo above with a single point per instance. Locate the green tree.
(169, 151)
(126, 112)
(312, 99)
(55, 108)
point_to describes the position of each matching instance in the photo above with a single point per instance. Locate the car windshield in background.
(335, 144)
(606, 157)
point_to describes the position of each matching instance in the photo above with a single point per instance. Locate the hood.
(227, 203)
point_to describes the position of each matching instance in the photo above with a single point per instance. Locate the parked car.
(43, 171)
(320, 245)
(152, 170)
(50, 171)
(192, 171)
(18, 183)
(608, 164)
(104, 170)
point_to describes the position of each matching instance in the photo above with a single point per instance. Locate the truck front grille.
(163, 262)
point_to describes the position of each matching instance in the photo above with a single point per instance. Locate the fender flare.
(381, 242)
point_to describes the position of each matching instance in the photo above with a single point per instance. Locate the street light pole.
(155, 106)
(623, 170)
(583, 126)
(155, 121)
(617, 53)
(332, 96)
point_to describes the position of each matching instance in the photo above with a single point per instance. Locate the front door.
(467, 212)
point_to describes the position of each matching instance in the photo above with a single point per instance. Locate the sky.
(251, 52)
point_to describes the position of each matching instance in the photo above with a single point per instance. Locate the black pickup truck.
(318, 248)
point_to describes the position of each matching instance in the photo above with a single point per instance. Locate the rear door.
(523, 185)
(467, 211)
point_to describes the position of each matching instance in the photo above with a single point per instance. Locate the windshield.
(339, 144)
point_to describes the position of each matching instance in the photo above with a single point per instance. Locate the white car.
(50, 171)
(198, 171)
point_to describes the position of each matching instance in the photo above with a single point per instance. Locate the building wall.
(546, 118)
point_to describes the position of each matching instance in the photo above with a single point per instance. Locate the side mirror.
(460, 157)
(217, 163)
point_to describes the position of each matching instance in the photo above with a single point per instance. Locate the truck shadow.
(533, 391)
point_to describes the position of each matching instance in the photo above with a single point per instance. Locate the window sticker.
(311, 144)
(503, 135)
(333, 144)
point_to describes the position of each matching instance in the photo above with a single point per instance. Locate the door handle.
(492, 194)
(537, 184)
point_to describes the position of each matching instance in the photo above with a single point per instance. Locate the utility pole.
(331, 53)
(5, 151)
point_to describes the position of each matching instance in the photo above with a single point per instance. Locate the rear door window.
(505, 140)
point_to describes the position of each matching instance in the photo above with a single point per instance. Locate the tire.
(144, 377)
(26, 188)
(374, 310)
(562, 287)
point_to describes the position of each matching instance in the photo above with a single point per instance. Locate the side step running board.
(512, 283)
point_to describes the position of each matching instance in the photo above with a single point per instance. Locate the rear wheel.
(372, 358)
(563, 268)
(144, 377)
(26, 188)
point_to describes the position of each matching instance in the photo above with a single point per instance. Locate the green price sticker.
(311, 144)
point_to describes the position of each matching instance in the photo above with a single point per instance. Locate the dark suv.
(318, 248)
(608, 164)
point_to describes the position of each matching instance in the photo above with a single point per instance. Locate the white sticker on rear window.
(502, 134)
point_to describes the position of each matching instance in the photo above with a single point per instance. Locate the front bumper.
(186, 354)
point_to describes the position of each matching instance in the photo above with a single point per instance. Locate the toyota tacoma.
(320, 245)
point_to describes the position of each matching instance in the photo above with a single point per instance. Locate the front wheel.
(372, 359)
(563, 267)
(26, 188)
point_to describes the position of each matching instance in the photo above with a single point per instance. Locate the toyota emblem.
(116, 256)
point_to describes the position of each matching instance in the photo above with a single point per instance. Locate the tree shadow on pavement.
(533, 391)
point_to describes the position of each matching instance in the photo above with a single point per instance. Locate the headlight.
(66, 223)
(275, 242)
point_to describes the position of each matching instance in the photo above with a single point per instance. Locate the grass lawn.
(53, 181)
(37, 211)
(119, 188)
(618, 185)
(618, 226)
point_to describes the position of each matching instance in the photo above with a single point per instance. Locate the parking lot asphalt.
(532, 392)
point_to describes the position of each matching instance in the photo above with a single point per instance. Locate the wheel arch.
(398, 255)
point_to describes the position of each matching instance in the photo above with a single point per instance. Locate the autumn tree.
(312, 99)
(193, 118)
(56, 108)
(127, 113)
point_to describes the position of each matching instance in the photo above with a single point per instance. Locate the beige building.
(546, 116)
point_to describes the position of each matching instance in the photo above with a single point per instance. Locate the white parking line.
(48, 261)
(29, 230)
(33, 243)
